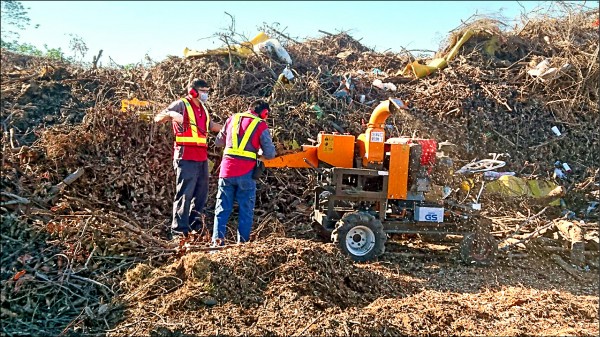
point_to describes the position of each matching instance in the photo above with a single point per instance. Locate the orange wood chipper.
(370, 186)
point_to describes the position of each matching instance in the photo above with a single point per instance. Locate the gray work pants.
(191, 193)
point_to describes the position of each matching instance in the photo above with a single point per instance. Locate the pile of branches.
(68, 240)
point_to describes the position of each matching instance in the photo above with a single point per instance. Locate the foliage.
(56, 54)
(78, 46)
(14, 17)
(29, 49)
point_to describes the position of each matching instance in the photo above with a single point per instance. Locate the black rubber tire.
(432, 237)
(480, 252)
(351, 220)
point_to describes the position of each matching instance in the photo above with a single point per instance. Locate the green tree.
(26, 48)
(56, 54)
(78, 46)
(14, 18)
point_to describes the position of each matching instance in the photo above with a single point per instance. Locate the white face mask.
(203, 97)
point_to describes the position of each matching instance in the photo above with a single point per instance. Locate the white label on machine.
(377, 136)
(383, 173)
(429, 214)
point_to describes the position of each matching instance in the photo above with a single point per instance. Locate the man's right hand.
(161, 117)
(164, 116)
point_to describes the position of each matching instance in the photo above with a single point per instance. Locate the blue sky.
(128, 30)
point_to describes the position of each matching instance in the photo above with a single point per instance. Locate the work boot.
(216, 243)
(178, 236)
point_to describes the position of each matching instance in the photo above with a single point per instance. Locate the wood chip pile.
(87, 192)
(283, 287)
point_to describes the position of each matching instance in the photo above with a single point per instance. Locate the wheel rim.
(360, 240)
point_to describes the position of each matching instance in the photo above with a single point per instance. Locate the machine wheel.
(360, 236)
(478, 249)
(432, 237)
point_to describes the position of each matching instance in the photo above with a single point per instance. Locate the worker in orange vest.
(191, 123)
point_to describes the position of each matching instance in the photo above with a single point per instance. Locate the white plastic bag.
(272, 46)
(378, 83)
(288, 73)
(390, 86)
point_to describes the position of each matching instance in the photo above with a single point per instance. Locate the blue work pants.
(243, 190)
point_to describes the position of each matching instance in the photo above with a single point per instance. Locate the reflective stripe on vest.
(192, 136)
(238, 148)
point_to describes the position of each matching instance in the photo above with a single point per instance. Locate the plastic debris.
(133, 103)
(558, 173)
(511, 186)
(561, 169)
(378, 83)
(556, 131)
(544, 72)
(493, 175)
(286, 77)
(592, 206)
(390, 86)
(318, 111)
(568, 214)
(387, 86)
(242, 50)
(378, 71)
(272, 47)
(346, 89)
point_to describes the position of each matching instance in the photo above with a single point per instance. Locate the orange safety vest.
(191, 135)
(239, 148)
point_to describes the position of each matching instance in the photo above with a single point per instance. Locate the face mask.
(203, 97)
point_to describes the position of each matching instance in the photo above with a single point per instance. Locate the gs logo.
(431, 217)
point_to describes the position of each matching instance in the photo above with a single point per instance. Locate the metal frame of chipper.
(371, 185)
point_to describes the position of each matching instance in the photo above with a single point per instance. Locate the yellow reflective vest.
(239, 148)
(191, 135)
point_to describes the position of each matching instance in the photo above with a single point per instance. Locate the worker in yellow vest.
(191, 123)
(243, 136)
